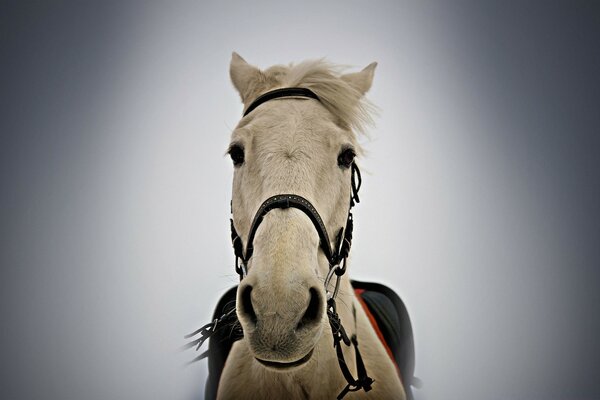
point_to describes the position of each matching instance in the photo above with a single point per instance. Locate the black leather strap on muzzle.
(343, 239)
(284, 201)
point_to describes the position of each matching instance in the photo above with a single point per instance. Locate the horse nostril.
(247, 307)
(313, 311)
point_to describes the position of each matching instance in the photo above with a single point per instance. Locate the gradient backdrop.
(480, 200)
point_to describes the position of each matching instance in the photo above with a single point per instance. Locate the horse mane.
(337, 95)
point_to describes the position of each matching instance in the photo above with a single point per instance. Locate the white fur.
(291, 146)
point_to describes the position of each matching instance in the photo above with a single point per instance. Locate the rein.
(336, 257)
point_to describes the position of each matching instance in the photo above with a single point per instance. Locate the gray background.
(480, 197)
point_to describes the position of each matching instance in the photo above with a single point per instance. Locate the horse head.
(306, 147)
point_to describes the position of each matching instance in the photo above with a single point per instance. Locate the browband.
(283, 92)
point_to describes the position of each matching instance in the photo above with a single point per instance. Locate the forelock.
(339, 97)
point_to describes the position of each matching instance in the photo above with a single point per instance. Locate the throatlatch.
(336, 256)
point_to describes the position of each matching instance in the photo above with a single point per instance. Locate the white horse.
(302, 146)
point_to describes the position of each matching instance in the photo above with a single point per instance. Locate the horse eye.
(346, 157)
(236, 152)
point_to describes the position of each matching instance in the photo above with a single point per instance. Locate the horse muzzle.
(281, 329)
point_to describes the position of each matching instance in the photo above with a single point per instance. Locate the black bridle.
(336, 256)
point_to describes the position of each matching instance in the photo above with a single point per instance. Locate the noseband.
(336, 255)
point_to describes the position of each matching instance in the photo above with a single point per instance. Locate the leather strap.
(294, 201)
(283, 92)
(363, 380)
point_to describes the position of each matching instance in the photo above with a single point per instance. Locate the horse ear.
(243, 76)
(362, 80)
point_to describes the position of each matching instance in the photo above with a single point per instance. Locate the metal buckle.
(241, 268)
(330, 275)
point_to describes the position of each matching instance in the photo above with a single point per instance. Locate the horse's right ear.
(245, 77)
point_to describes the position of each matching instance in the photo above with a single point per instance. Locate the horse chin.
(278, 349)
(288, 365)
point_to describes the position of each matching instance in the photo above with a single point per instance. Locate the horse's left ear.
(362, 80)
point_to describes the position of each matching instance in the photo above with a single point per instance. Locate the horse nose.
(246, 308)
(310, 318)
(312, 315)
